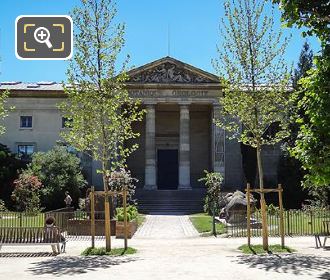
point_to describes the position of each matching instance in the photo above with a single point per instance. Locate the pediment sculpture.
(168, 73)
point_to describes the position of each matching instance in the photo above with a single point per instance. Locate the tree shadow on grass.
(76, 265)
(296, 264)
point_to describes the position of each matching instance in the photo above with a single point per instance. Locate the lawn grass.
(102, 252)
(140, 219)
(203, 223)
(257, 249)
(17, 219)
(295, 223)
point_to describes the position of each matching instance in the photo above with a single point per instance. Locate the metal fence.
(72, 223)
(296, 223)
(78, 223)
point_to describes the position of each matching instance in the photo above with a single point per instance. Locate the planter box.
(131, 229)
(83, 227)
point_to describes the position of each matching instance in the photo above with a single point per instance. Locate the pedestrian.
(68, 199)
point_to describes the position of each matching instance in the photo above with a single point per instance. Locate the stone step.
(170, 201)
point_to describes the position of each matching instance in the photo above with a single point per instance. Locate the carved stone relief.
(168, 73)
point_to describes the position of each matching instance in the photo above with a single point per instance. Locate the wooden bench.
(32, 236)
(325, 233)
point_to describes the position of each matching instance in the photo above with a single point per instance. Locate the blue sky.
(193, 25)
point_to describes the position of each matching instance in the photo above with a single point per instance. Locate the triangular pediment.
(170, 71)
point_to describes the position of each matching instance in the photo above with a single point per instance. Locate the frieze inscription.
(169, 93)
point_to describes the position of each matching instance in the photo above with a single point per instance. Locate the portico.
(178, 137)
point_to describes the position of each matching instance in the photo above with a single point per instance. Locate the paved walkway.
(166, 226)
(169, 248)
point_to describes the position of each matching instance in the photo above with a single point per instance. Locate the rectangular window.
(25, 151)
(66, 122)
(26, 122)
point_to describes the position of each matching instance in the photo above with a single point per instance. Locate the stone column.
(150, 149)
(218, 143)
(184, 148)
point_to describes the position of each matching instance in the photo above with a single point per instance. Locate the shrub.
(272, 209)
(132, 213)
(27, 193)
(59, 171)
(213, 183)
(2, 206)
(122, 179)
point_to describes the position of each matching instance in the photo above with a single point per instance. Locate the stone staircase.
(170, 201)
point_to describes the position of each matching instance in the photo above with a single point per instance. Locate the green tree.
(101, 110)
(3, 110)
(254, 75)
(290, 173)
(315, 15)
(59, 171)
(312, 146)
(9, 167)
(26, 193)
(305, 63)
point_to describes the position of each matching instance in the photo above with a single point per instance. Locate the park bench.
(325, 233)
(32, 236)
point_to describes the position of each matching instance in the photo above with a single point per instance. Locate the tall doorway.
(167, 169)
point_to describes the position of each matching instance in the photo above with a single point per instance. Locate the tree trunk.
(262, 201)
(107, 215)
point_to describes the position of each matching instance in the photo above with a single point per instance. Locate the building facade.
(178, 139)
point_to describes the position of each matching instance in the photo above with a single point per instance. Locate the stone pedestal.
(150, 149)
(184, 149)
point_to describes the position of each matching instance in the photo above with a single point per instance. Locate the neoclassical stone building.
(178, 138)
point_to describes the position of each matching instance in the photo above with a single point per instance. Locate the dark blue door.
(167, 169)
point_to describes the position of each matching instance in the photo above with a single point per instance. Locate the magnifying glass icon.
(41, 35)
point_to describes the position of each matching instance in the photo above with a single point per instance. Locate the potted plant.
(132, 214)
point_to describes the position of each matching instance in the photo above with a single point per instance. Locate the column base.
(184, 188)
(150, 187)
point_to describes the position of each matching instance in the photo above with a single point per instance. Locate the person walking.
(67, 199)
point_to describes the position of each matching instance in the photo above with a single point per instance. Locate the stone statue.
(233, 207)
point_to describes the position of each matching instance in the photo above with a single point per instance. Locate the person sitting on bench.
(50, 224)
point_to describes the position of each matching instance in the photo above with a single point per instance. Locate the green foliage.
(272, 209)
(27, 193)
(252, 69)
(59, 171)
(257, 249)
(313, 141)
(213, 181)
(132, 213)
(82, 204)
(3, 207)
(9, 167)
(3, 109)
(307, 13)
(102, 251)
(305, 63)
(312, 145)
(101, 110)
